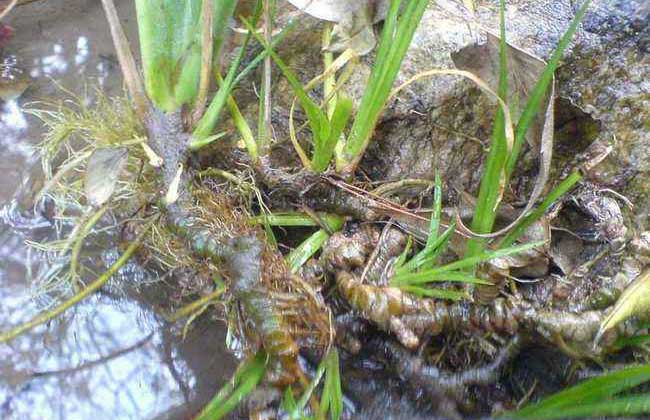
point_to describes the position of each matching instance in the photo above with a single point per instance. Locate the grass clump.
(608, 395)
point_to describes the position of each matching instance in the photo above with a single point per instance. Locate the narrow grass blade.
(248, 375)
(559, 191)
(289, 403)
(313, 244)
(306, 250)
(428, 255)
(295, 219)
(211, 116)
(423, 277)
(318, 122)
(435, 293)
(634, 341)
(299, 406)
(325, 150)
(244, 129)
(196, 145)
(493, 178)
(395, 40)
(623, 407)
(437, 211)
(399, 262)
(538, 93)
(589, 393)
(467, 262)
(332, 396)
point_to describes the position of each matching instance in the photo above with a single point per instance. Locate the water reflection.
(110, 356)
(97, 361)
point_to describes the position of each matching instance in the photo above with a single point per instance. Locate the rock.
(440, 123)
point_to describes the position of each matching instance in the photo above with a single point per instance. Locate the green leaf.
(435, 244)
(493, 178)
(307, 248)
(429, 254)
(299, 408)
(233, 77)
(565, 186)
(248, 375)
(399, 262)
(396, 37)
(465, 262)
(318, 122)
(634, 341)
(209, 119)
(435, 293)
(424, 277)
(311, 245)
(294, 219)
(288, 401)
(207, 141)
(324, 150)
(170, 46)
(332, 396)
(434, 225)
(590, 398)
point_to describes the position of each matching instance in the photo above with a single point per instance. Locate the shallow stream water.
(110, 356)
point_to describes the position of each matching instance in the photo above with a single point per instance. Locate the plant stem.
(79, 241)
(192, 306)
(84, 293)
(265, 105)
(126, 60)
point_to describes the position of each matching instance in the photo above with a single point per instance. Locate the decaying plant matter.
(370, 290)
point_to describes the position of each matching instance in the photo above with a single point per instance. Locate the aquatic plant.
(133, 161)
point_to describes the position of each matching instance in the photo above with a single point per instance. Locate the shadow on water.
(110, 356)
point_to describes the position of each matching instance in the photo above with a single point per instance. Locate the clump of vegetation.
(130, 162)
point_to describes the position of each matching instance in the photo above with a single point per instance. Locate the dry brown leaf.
(102, 173)
(524, 70)
(338, 10)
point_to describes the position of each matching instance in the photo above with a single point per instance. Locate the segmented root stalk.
(384, 306)
(243, 261)
(409, 317)
(215, 230)
(390, 245)
(423, 376)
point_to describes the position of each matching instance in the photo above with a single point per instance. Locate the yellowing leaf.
(634, 301)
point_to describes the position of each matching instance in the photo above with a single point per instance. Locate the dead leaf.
(338, 10)
(524, 71)
(102, 173)
(635, 301)
(354, 32)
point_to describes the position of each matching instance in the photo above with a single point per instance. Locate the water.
(110, 356)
